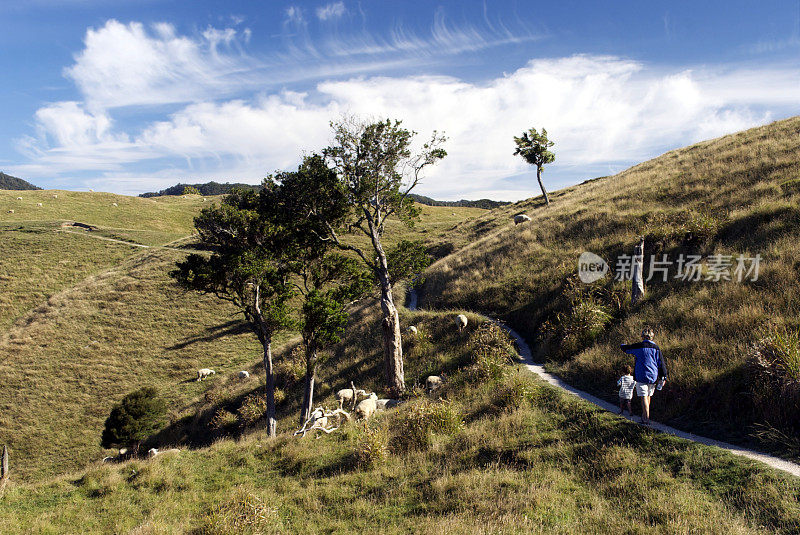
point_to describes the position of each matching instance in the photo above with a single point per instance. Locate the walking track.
(526, 357)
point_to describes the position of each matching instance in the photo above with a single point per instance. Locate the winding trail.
(526, 356)
(132, 244)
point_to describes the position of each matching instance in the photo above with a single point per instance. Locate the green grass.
(527, 458)
(723, 196)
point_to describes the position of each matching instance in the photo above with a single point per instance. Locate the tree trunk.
(311, 377)
(269, 389)
(4, 464)
(541, 184)
(637, 273)
(392, 342)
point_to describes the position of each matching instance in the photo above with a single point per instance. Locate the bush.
(775, 362)
(373, 447)
(516, 393)
(253, 408)
(136, 417)
(492, 353)
(244, 513)
(416, 427)
(223, 420)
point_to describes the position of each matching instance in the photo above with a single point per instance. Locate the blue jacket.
(649, 366)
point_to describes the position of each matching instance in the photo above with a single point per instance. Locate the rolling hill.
(14, 183)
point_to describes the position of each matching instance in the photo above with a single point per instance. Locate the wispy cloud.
(331, 11)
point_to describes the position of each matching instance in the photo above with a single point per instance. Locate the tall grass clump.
(244, 513)
(415, 428)
(492, 353)
(372, 448)
(775, 362)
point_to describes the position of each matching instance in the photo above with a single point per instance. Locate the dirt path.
(526, 357)
(114, 240)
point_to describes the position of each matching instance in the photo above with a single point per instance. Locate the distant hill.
(487, 204)
(12, 182)
(209, 188)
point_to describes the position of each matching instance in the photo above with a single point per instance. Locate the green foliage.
(208, 189)
(516, 393)
(14, 183)
(191, 190)
(775, 362)
(533, 147)
(485, 204)
(136, 417)
(407, 261)
(415, 428)
(688, 227)
(223, 420)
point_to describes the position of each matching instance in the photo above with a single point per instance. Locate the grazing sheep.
(11, 211)
(412, 330)
(521, 218)
(55, 196)
(152, 452)
(204, 372)
(383, 404)
(433, 383)
(19, 198)
(114, 204)
(347, 395)
(461, 322)
(367, 407)
(244, 374)
(91, 190)
(39, 204)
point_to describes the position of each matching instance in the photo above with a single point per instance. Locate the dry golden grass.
(737, 194)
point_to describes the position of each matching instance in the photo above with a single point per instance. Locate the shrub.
(244, 513)
(516, 393)
(137, 416)
(223, 420)
(373, 447)
(491, 353)
(253, 408)
(775, 361)
(416, 427)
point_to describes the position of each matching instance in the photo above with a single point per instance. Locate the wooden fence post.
(4, 465)
(637, 273)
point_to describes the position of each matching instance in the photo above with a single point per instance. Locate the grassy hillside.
(734, 195)
(501, 453)
(86, 320)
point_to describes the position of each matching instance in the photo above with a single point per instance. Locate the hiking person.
(626, 384)
(649, 368)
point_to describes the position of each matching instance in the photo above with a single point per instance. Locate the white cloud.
(602, 112)
(331, 11)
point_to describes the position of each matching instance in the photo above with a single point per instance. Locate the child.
(626, 384)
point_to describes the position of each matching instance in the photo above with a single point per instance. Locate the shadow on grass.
(229, 328)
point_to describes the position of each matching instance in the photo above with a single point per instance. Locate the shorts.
(645, 389)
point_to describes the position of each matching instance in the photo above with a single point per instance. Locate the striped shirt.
(626, 384)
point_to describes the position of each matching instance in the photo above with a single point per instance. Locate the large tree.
(533, 147)
(132, 420)
(376, 169)
(250, 265)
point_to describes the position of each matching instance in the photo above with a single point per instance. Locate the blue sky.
(136, 95)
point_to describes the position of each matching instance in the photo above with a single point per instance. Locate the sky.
(131, 96)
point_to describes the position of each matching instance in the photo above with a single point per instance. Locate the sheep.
(412, 330)
(19, 198)
(204, 372)
(55, 196)
(367, 407)
(39, 204)
(244, 374)
(383, 404)
(152, 452)
(114, 204)
(461, 322)
(11, 211)
(433, 383)
(347, 394)
(521, 218)
(91, 190)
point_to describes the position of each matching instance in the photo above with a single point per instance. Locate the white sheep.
(204, 372)
(461, 322)
(114, 204)
(412, 330)
(383, 404)
(39, 204)
(55, 196)
(11, 211)
(244, 374)
(433, 383)
(91, 190)
(367, 407)
(521, 218)
(349, 395)
(19, 198)
(152, 452)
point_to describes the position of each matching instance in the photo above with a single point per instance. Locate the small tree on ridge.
(533, 147)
